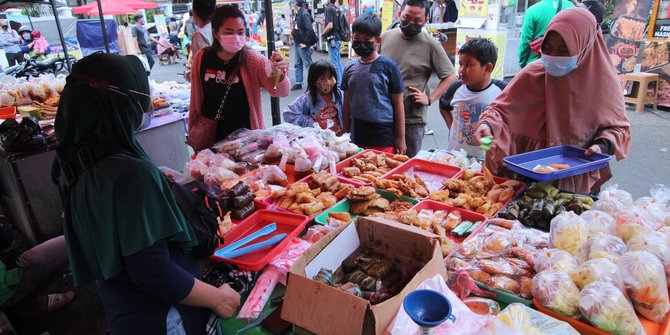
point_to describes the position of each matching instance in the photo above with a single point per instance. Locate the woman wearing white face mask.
(571, 96)
(227, 96)
(322, 103)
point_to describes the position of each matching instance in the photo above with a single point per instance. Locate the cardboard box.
(324, 309)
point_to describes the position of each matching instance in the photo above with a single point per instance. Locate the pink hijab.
(537, 111)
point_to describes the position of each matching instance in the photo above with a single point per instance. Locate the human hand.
(279, 61)
(400, 146)
(483, 131)
(593, 149)
(229, 302)
(303, 45)
(418, 97)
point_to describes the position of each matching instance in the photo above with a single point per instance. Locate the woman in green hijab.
(122, 225)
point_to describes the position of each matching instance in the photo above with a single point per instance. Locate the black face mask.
(410, 29)
(363, 49)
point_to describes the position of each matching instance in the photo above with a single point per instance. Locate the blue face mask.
(559, 66)
(142, 22)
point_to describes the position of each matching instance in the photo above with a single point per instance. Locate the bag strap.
(560, 5)
(86, 158)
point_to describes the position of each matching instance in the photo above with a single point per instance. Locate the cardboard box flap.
(394, 238)
(306, 292)
(316, 248)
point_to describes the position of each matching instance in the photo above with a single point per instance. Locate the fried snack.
(526, 290)
(359, 207)
(364, 193)
(327, 199)
(351, 172)
(342, 216)
(344, 191)
(311, 208)
(401, 158)
(504, 283)
(405, 184)
(479, 275)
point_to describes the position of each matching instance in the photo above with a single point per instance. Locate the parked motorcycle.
(33, 68)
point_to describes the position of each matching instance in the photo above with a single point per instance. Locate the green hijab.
(123, 203)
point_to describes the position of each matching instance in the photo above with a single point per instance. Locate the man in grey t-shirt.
(10, 41)
(418, 55)
(143, 39)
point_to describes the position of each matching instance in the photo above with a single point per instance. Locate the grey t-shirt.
(418, 57)
(142, 37)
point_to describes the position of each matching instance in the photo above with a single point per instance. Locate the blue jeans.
(303, 59)
(334, 53)
(173, 322)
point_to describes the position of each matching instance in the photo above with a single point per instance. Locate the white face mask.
(232, 43)
(559, 66)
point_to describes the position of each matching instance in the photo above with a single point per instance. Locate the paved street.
(647, 164)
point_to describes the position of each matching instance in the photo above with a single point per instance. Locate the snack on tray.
(605, 246)
(478, 193)
(369, 168)
(568, 232)
(606, 307)
(555, 290)
(646, 284)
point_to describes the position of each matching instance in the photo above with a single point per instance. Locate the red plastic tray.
(651, 328)
(7, 112)
(288, 223)
(271, 205)
(465, 215)
(440, 171)
(349, 162)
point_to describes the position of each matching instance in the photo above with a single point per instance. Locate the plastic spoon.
(274, 240)
(267, 230)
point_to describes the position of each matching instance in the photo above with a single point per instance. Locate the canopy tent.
(108, 6)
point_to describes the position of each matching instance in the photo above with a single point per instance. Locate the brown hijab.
(537, 111)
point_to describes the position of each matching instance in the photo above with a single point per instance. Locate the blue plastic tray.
(579, 163)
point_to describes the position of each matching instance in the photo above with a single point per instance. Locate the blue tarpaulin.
(89, 34)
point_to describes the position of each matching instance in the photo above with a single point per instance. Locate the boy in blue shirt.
(373, 92)
(466, 99)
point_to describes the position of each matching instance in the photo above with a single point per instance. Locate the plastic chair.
(638, 93)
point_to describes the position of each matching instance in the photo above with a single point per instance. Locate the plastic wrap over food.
(605, 246)
(527, 321)
(599, 269)
(217, 175)
(660, 195)
(612, 200)
(646, 285)
(222, 160)
(629, 231)
(606, 307)
(196, 169)
(599, 222)
(654, 245)
(648, 216)
(556, 259)
(205, 156)
(568, 232)
(530, 236)
(555, 290)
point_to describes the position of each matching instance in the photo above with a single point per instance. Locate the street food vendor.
(123, 227)
(571, 96)
(227, 95)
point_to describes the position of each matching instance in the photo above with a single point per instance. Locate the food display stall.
(498, 20)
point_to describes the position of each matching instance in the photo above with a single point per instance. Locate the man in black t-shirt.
(304, 38)
(332, 34)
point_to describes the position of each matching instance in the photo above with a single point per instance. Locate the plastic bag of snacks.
(629, 231)
(660, 195)
(556, 290)
(612, 200)
(599, 269)
(644, 277)
(607, 308)
(654, 245)
(664, 233)
(647, 216)
(605, 246)
(527, 321)
(205, 156)
(196, 169)
(555, 259)
(599, 222)
(568, 232)
(217, 175)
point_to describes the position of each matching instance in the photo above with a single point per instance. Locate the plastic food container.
(288, 223)
(584, 328)
(431, 172)
(345, 205)
(349, 163)
(579, 163)
(465, 216)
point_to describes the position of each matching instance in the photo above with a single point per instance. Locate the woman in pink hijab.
(571, 96)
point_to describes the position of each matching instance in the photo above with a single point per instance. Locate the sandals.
(58, 300)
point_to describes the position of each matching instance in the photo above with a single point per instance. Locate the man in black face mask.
(418, 55)
(10, 41)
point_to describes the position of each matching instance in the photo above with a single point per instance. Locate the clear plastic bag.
(654, 245)
(629, 231)
(660, 195)
(599, 269)
(646, 284)
(272, 174)
(612, 200)
(664, 233)
(557, 260)
(607, 308)
(196, 169)
(527, 321)
(217, 175)
(605, 246)
(222, 160)
(568, 232)
(317, 232)
(598, 222)
(205, 156)
(648, 216)
(555, 290)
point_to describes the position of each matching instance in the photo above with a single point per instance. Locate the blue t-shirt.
(370, 86)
